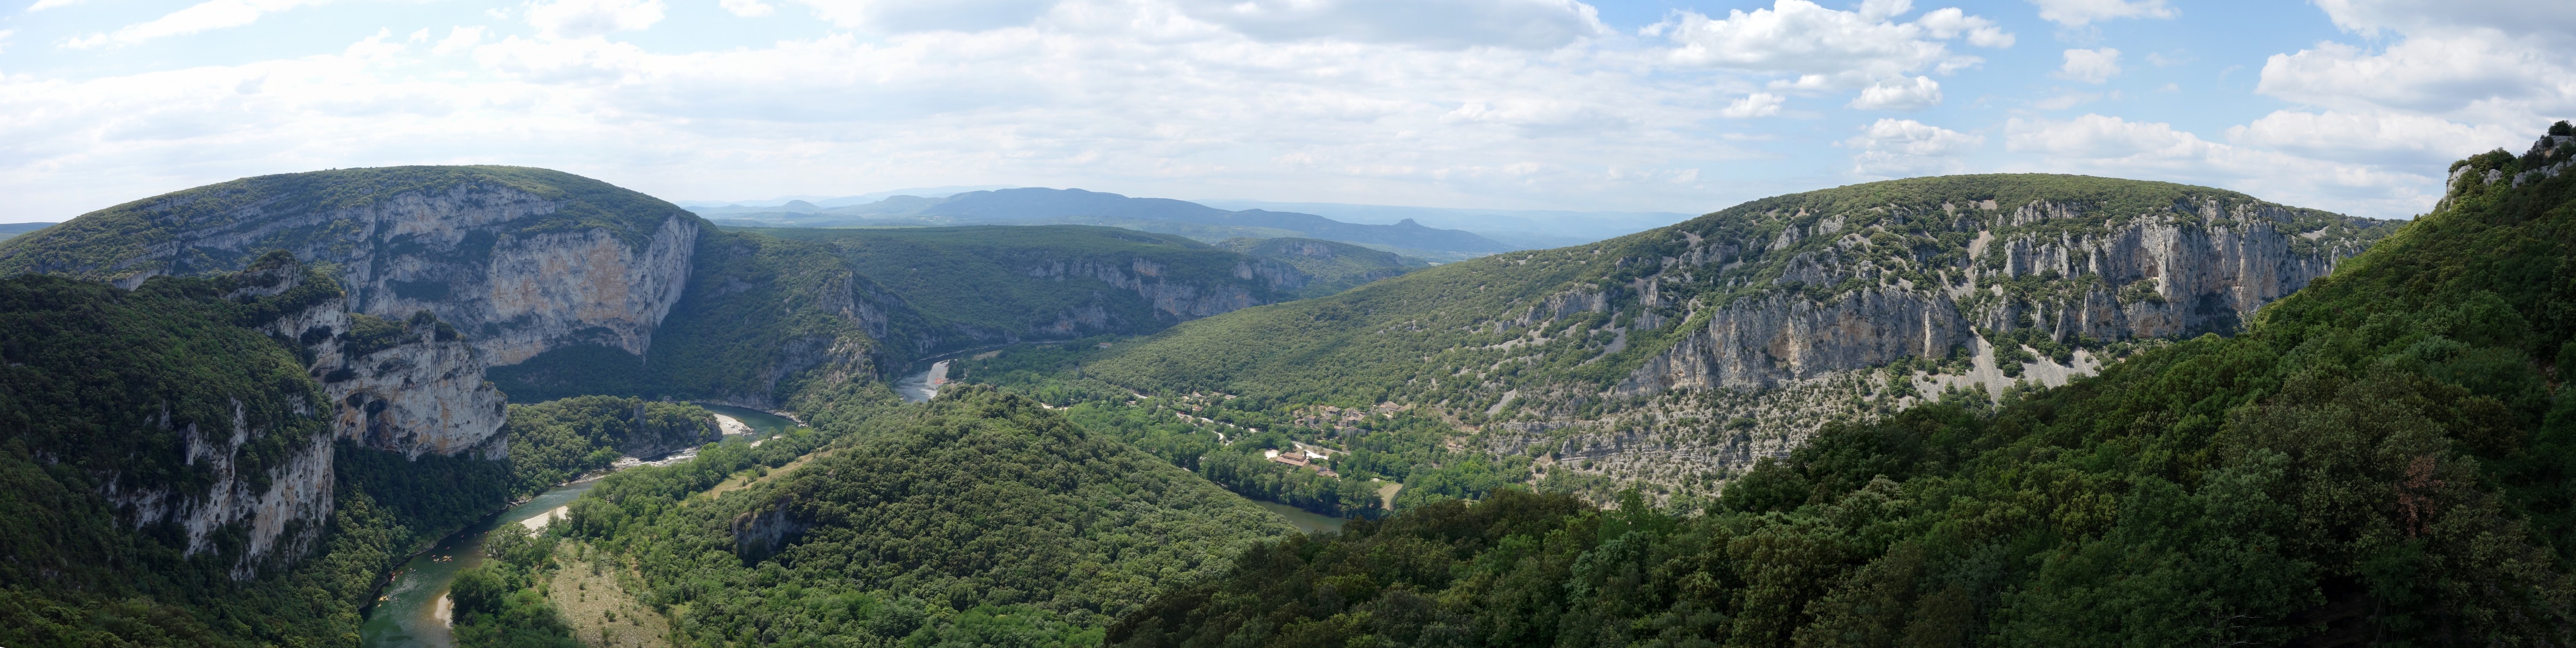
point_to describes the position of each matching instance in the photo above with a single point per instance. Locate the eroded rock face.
(425, 394)
(517, 272)
(1179, 299)
(280, 513)
(2173, 275)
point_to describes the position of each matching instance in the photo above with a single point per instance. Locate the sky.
(2354, 106)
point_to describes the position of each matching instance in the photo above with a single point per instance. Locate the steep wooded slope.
(1681, 354)
(981, 518)
(2383, 458)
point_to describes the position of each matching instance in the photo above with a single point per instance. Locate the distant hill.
(1036, 206)
(1676, 358)
(1527, 228)
(13, 229)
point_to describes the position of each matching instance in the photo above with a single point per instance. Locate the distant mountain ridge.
(1527, 228)
(1035, 206)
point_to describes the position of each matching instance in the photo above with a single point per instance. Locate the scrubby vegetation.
(981, 518)
(553, 442)
(2382, 458)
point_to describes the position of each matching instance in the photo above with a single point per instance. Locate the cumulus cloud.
(458, 39)
(1826, 49)
(2114, 146)
(204, 16)
(587, 18)
(2078, 13)
(1197, 109)
(1899, 94)
(42, 5)
(1904, 147)
(1759, 104)
(1526, 24)
(2091, 65)
(2393, 139)
(897, 16)
(746, 8)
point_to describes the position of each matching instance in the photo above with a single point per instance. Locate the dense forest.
(104, 387)
(981, 518)
(2382, 458)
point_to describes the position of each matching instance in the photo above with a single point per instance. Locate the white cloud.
(2117, 147)
(587, 18)
(4, 38)
(1904, 147)
(458, 39)
(1194, 109)
(1899, 94)
(1759, 104)
(2078, 13)
(42, 5)
(2091, 65)
(2387, 138)
(897, 16)
(2437, 74)
(1528, 24)
(1826, 49)
(2511, 17)
(204, 16)
(747, 8)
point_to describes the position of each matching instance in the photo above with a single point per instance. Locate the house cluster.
(1304, 456)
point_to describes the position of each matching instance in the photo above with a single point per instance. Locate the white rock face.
(2209, 272)
(425, 396)
(464, 253)
(297, 497)
(420, 397)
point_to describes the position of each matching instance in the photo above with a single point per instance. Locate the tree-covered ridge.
(318, 209)
(115, 391)
(2382, 458)
(979, 513)
(1000, 282)
(1400, 339)
(1335, 266)
(763, 320)
(555, 441)
(112, 383)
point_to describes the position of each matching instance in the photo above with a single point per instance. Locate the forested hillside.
(981, 518)
(1677, 357)
(2382, 458)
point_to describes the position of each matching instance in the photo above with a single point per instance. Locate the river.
(413, 612)
(918, 388)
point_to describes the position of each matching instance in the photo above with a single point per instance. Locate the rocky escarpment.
(522, 260)
(1173, 297)
(413, 386)
(1674, 358)
(2176, 272)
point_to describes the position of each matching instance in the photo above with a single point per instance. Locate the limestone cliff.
(412, 387)
(521, 260)
(1675, 358)
(2187, 270)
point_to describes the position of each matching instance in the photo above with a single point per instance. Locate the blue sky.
(1670, 105)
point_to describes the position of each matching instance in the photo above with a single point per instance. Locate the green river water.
(413, 610)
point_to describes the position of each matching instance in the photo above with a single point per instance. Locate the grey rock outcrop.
(2169, 274)
(521, 260)
(422, 395)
